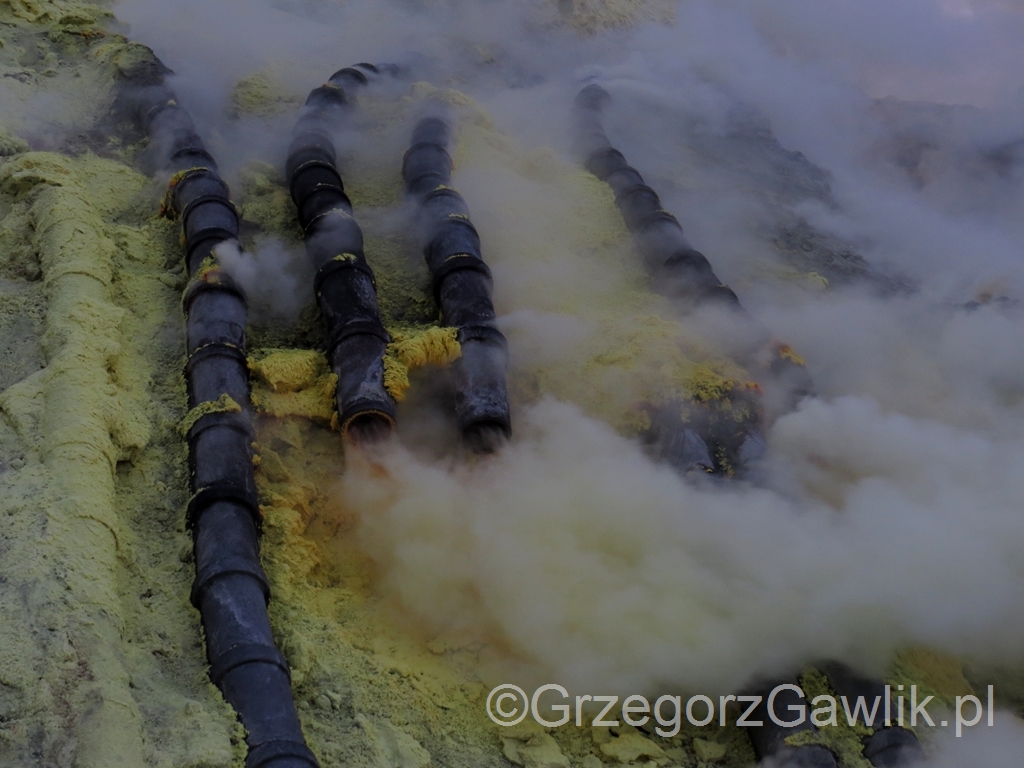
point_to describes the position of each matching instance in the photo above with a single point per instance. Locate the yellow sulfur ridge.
(416, 349)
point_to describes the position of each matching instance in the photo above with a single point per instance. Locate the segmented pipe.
(678, 269)
(890, 746)
(230, 589)
(683, 273)
(769, 738)
(461, 284)
(344, 285)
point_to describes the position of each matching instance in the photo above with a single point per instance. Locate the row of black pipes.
(230, 588)
(686, 275)
(345, 288)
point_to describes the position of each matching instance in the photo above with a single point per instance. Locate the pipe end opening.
(485, 437)
(368, 428)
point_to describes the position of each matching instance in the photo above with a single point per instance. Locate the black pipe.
(678, 269)
(461, 285)
(685, 274)
(344, 285)
(230, 588)
(890, 746)
(769, 738)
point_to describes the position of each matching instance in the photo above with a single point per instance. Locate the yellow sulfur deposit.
(936, 674)
(167, 207)
(94, 505)
(261, 94)
(293, 382)
(592, 16)
(843, 739)
(415, 349)
(786, 353)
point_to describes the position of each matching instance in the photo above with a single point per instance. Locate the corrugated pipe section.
(461, 283)
(230, 588)
(344, 285)
(685, 274)
(676, 267)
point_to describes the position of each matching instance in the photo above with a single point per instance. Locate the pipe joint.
(426, 165)
(214, 350)
(212, 280)
(205, 497)
(230, 565)
(326, 98)
(343, 263)
(456, 263)
(453, 238)
(368, 326)
(592, 97)
(482, 334)
(281, 753)
(248, 653)
(604, 162)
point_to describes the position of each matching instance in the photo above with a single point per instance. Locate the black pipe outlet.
(769, 738)
(230, 588)
(344, 285)
(462, 286)
(889, 746)
(680, 271)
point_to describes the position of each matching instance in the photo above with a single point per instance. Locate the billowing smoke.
(887, 511)
(277, 280)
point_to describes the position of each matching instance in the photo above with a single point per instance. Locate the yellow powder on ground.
(589, 17)
(263, 94)
(351, 656)
(843, 739)
(288, 370)
(469, 110)
(935, 673)
(266, 201)
(103, 452)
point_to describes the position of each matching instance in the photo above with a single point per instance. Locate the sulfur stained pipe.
(678, 269)
(886, 746)
(889, 746)
(345, 286)
(230, 589)
(682, 273)
(462, 284)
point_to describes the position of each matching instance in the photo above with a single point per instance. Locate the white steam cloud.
(613, 571)
(277, 280)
